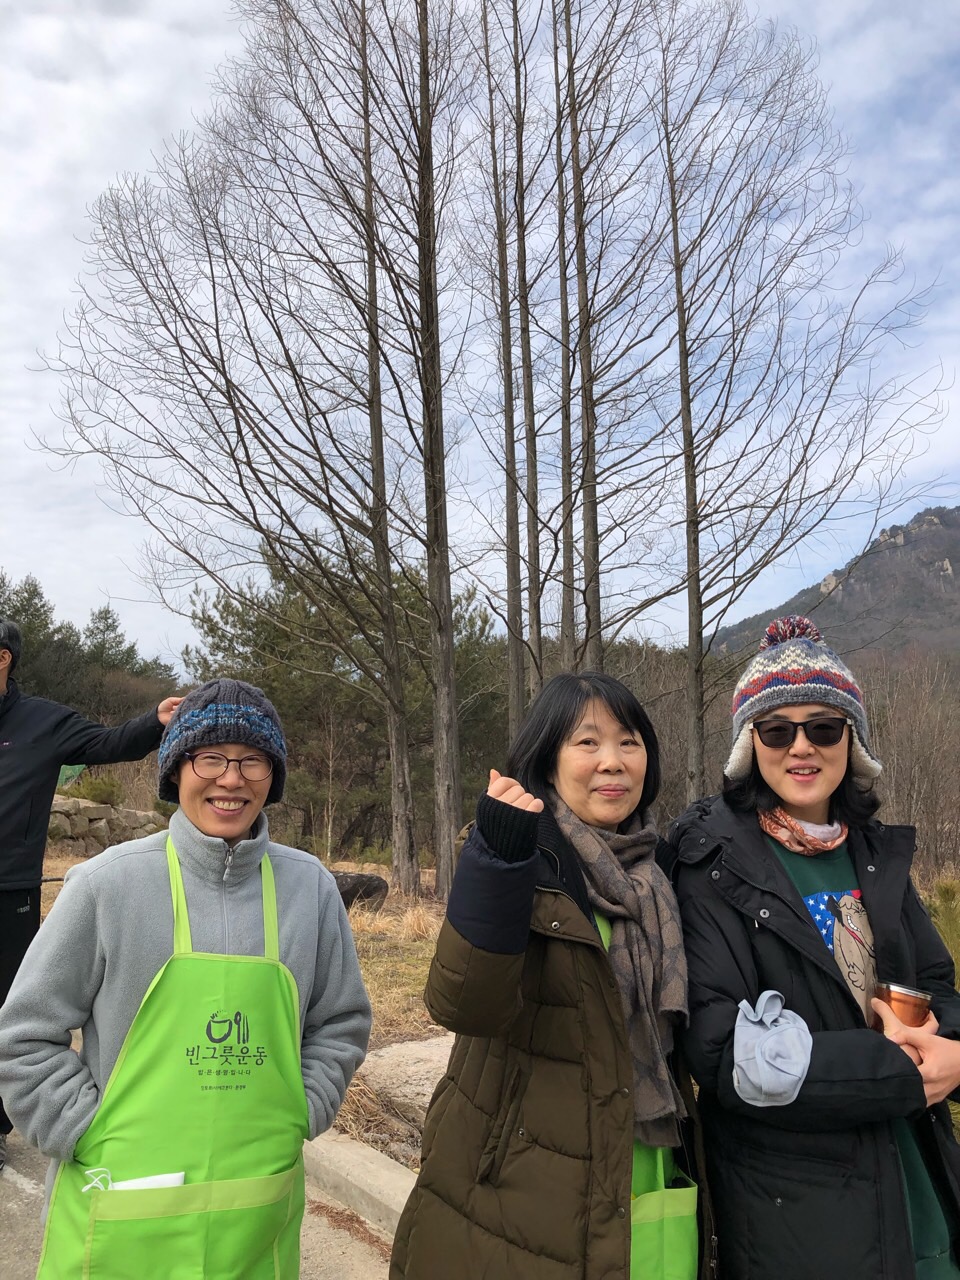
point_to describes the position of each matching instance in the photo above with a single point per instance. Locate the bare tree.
(576, 268)
(503, 305)
(776, 415)
(235, 369)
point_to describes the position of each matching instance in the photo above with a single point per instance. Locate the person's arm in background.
(48, 1092)
(82, 741)
(337, 1024)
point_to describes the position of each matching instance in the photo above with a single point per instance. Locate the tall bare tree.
(516, 699)
(777, 416)
(231, 357)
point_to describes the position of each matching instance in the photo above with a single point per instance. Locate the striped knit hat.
(795, 666)
(219, 712)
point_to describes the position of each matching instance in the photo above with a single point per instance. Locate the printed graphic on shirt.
(842, 921)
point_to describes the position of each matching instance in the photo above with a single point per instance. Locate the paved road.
(328, 1254)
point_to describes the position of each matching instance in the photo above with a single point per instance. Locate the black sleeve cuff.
(491, 900)
(509, 832)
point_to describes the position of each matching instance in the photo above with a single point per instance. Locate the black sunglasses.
(821, 731)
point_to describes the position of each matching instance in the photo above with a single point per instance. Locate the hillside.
(903, 591)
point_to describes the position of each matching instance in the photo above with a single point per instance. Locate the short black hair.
(11, 640)
(852, 802)
(555, 714)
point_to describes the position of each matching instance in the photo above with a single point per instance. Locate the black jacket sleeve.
(491, 900)
(473, 987)
(82, 741)
(855, 1075)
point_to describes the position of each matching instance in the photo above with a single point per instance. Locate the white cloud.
(92, 87)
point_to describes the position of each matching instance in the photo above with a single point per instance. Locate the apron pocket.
(233, 1230)
(663, 1234)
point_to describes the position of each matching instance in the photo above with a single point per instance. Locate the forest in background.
(338, 802)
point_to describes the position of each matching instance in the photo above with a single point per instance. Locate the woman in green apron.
(550, 1147)
(216, 984)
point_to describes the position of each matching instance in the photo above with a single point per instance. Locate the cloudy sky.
(89, 88)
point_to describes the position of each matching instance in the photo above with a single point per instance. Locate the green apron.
(208, 1084)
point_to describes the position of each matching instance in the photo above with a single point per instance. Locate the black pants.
(19, 922)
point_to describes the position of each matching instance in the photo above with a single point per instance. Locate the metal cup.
(910, 1006)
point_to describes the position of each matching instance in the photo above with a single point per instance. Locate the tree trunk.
(593, 637)
(696, 773)
(514, 565)
(405, 864)
(532, 486)
(446, 747)
(568, 615)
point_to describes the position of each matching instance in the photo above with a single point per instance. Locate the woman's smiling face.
(803, 776)
(601, 768)
(227, 806)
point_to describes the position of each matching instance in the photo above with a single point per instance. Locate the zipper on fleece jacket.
(227, 864)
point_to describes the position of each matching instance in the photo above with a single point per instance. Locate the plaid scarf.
(625, 885)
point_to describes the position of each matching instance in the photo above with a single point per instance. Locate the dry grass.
(368, 1118)
(350, 1222)
(395, 947)
(56, 863)
(137, 779)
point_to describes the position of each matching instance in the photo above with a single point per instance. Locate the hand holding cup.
(890, 1025)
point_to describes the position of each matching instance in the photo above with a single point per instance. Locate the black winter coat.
(36, 738)
(813, 1188)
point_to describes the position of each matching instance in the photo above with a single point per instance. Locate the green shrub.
(164, 808)
(105, 789)
(944, 904)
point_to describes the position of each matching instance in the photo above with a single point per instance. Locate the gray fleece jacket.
(111, 931)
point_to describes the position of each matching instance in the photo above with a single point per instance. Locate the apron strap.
(271, 928)
(182, 940)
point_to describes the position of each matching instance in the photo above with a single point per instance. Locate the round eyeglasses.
(211, 765)
(819, 731)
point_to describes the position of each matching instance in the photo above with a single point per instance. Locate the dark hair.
(556, 712)
(851, 803)
(10, 640)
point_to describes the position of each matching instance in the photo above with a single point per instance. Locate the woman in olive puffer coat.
(558, 1106)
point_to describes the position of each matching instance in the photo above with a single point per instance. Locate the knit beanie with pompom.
(794, 666)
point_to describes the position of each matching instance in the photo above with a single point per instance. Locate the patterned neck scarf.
(797, 836)
(625, 884)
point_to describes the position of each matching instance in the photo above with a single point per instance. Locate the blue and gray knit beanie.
(794, 666)
(219, 712)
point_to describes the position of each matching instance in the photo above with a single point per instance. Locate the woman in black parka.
(829, 1145)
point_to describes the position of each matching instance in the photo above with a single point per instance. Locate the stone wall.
(84, 828)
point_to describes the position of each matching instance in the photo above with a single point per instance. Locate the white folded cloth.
(771, 1052)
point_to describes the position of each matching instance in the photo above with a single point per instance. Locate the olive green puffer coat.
(527, 1147)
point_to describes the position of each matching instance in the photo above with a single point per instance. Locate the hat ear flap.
(863, 765)
(740, 760)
